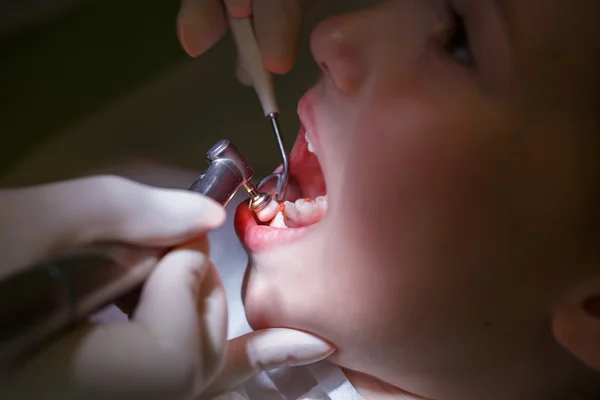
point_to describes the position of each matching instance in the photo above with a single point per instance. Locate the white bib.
(320, 381)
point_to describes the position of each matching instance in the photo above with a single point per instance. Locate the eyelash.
(457, 42)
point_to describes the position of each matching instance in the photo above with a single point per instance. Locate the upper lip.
(307, 118)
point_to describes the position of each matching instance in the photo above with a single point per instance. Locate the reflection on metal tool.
(283, 176)
(45, 299)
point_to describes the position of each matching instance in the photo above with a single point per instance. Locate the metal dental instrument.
(228, 171)
(49, 297)
(251, 60)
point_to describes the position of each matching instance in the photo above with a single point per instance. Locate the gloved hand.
(277, 23)
(175, 345)
(40, 221)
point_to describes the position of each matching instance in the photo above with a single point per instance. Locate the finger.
(213, 308)
(122, 210)
(263, 350)
(239, 8)
(183, 305)
(56, 217)
(200, 25)
(277, 24)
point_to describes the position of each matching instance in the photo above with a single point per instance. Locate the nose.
(378, 43)
(339, 46)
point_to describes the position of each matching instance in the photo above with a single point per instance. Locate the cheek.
(420, 209)
(415, 171)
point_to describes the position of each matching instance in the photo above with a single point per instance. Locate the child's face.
(458, 180)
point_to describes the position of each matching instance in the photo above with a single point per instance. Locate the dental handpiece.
(48, 298)
(228, 171)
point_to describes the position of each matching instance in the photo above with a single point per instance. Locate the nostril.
(337, 46)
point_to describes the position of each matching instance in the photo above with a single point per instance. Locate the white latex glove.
(175, 345)
(277, 23)
(40, 221)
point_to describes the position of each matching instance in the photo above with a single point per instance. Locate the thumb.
(255, 352)
(183, 304)
(138, 214)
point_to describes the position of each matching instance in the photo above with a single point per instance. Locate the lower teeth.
(303, 212)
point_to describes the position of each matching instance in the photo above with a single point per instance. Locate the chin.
(269, 299)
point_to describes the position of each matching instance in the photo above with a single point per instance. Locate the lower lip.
(259, 238)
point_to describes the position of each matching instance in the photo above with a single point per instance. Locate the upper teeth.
(310, 147)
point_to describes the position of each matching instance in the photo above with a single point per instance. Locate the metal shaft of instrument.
(282, 182)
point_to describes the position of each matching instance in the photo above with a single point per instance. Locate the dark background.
(88, 85)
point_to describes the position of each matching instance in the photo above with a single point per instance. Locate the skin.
(462, 201)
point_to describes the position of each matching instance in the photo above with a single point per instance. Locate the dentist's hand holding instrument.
(174, 346)
(201, 23)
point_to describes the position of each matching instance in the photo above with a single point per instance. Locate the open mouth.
(305, 204)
